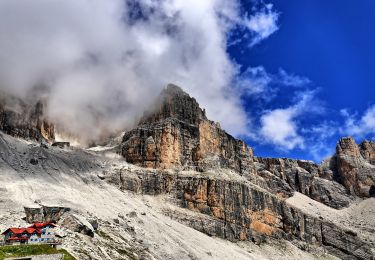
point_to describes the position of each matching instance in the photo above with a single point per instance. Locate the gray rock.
(44, 213)
(354, 166)
(77, 224)
(34, 214)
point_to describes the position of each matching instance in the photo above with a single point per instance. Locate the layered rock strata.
(235, 209)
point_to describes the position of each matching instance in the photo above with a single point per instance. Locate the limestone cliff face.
(175, 133)
(236, 209)
(23, 120)
(355, 166)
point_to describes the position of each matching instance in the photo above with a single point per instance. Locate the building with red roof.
(36, 233)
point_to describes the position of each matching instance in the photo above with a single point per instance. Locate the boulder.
(77, 224)
(44, 213)
(34, 214)
(54, 213)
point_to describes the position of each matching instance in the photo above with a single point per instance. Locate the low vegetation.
(28, 250)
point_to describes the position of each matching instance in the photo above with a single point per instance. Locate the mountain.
(177, 173)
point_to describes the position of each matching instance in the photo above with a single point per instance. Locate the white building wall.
(34, 239)
(48, 235)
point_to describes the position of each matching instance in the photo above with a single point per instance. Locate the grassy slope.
(27, 250)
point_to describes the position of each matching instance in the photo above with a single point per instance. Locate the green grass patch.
(29, 250)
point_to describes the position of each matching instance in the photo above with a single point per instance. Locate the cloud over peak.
(103, 62)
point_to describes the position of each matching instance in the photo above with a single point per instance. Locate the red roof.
(30, 230)
(22, 230)
(16, 230)
(42, 225)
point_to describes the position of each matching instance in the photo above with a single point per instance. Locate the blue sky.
(328, 47)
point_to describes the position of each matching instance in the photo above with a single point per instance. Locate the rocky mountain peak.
(347, 146)
(173, 102)
(175, 132)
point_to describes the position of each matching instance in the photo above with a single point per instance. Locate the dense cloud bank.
(100, 63)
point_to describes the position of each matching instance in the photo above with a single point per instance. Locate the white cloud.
(292, 80)
(254, 80)
(280, 126)
(257, 81)
(318, 137)
(359, 126)
(263, 23)
(103, 65)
